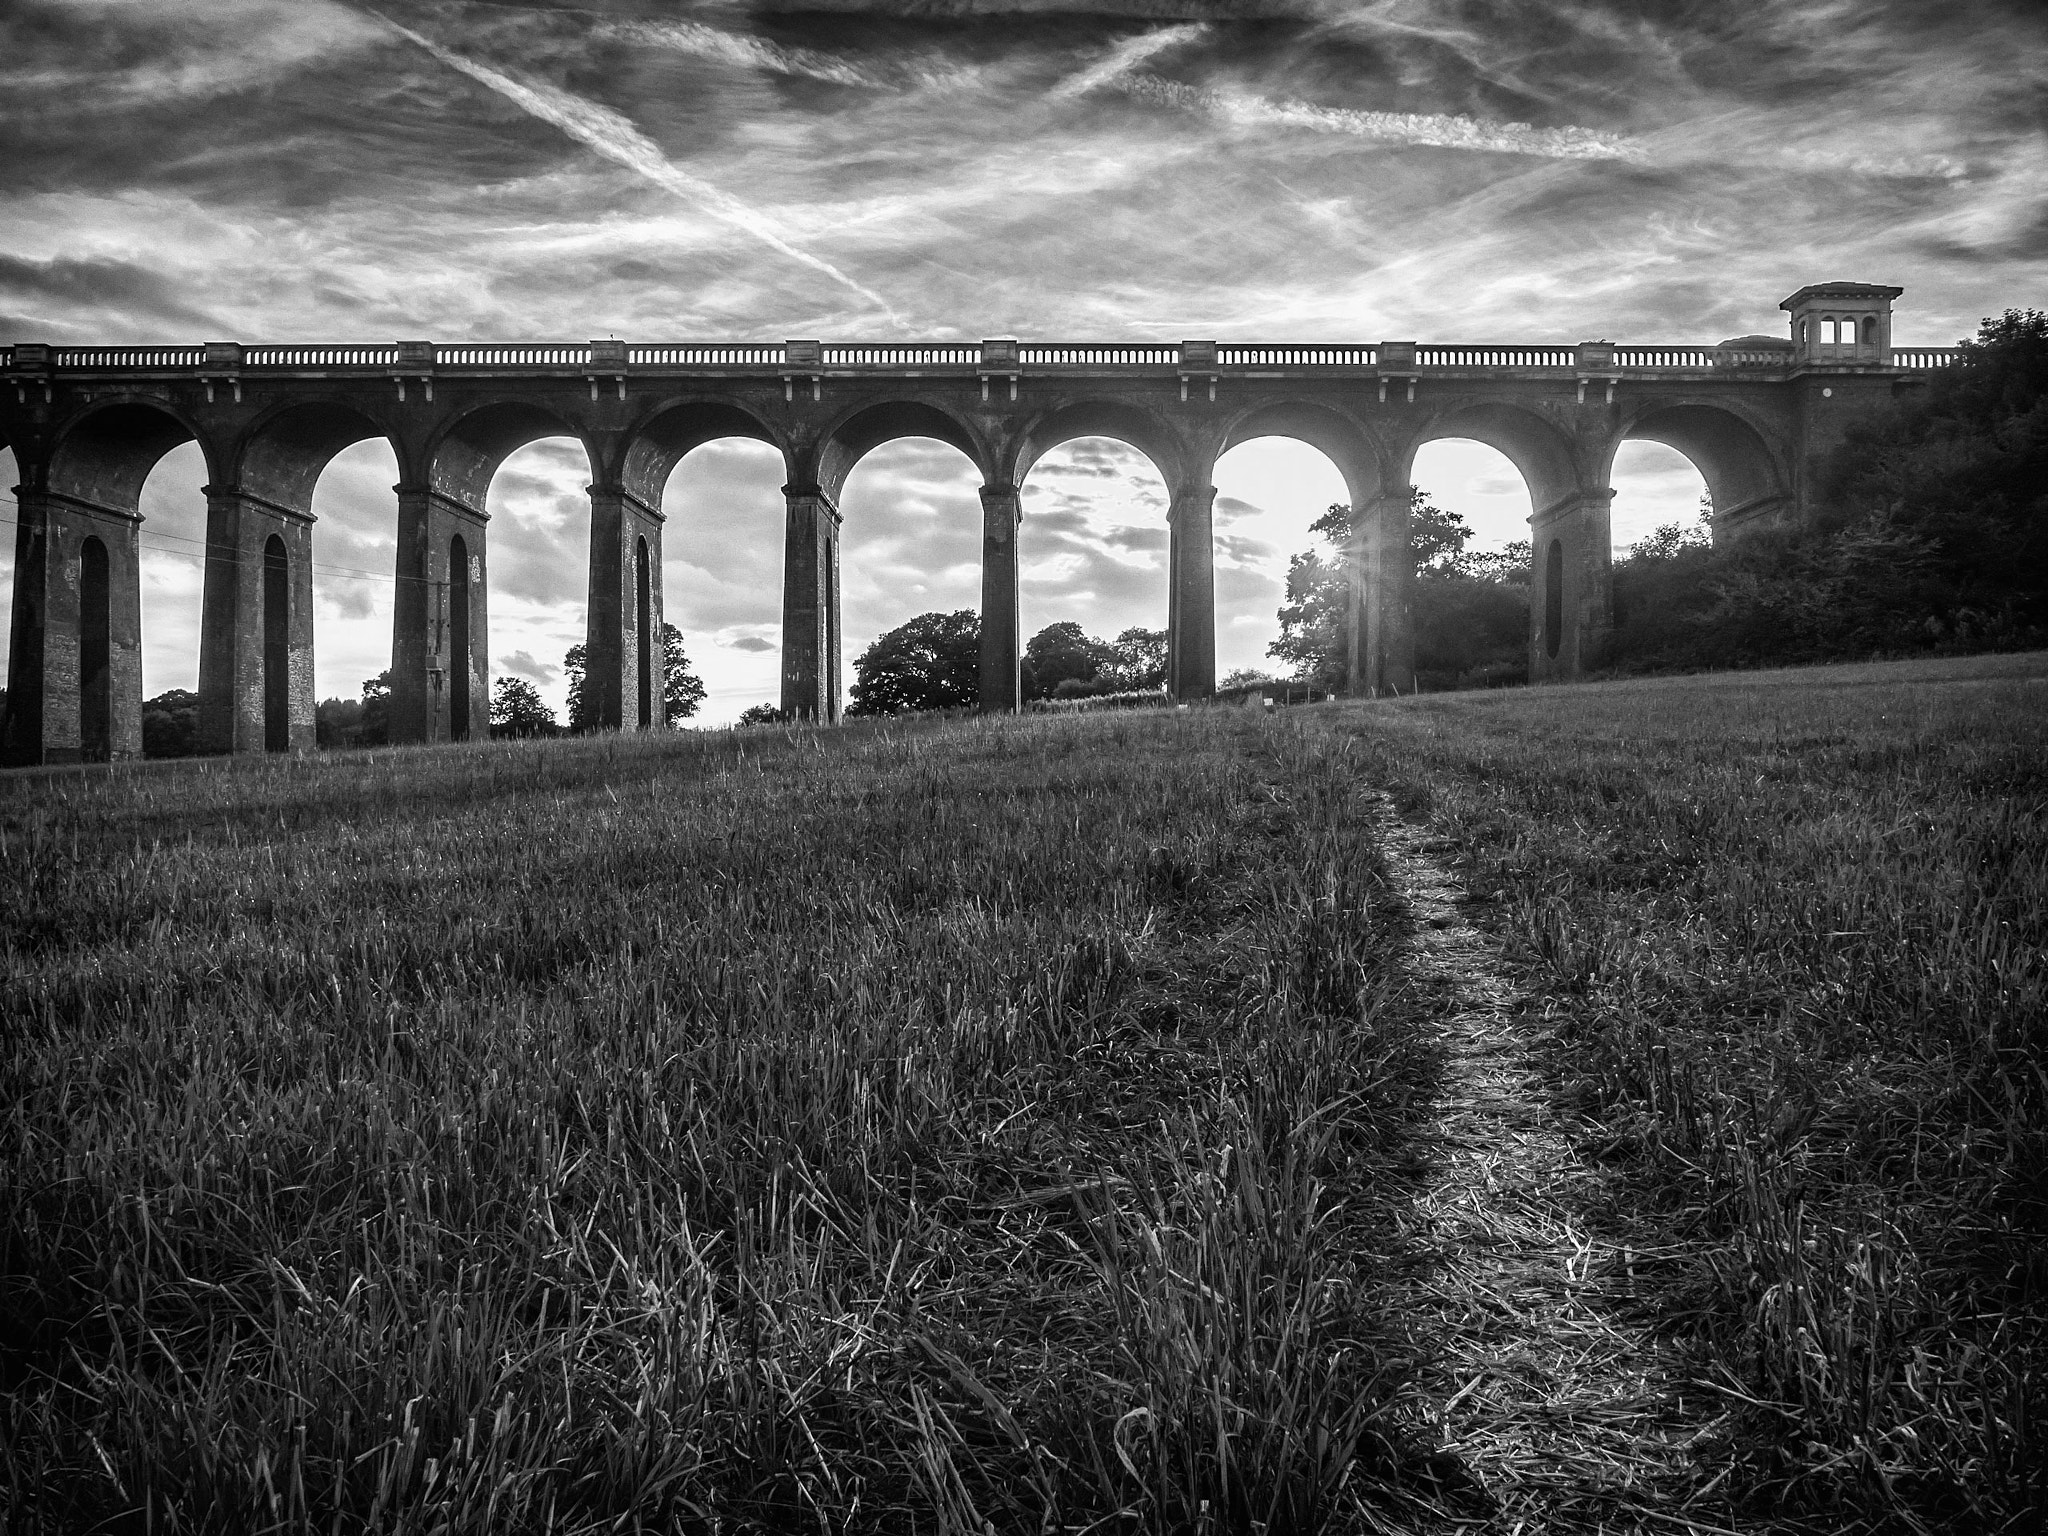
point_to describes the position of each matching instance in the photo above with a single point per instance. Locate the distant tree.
(518, 710)
(374, 729)
(761, 714)
(170, 724)
(933, 662)
(1244, 677)
(683, 692)
(1061, 653)
(582, 705)
(1140, 659)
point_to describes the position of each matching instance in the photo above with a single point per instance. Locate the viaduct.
(1757, 416)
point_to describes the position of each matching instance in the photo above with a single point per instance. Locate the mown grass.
(937, 1128)
(1789, 938)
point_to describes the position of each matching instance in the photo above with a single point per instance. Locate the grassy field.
(962, 1125)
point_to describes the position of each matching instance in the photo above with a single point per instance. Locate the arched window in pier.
(277, 639)
(456, 679)
(95, 654)
(643, 630)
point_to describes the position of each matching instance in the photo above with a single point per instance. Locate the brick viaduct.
(86, 425)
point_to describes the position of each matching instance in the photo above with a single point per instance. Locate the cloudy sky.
(1297, 170)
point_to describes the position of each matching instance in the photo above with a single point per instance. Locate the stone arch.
(1127, 423)
(1346, 443)
(866, 427)
(103, 455)
(466, 451)
(282, 455)
(1745, 476)
(1541, 451)
(663, 437)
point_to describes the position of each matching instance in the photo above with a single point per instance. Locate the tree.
(1315, 620)
(1061, 653)
(518, 710)
(682, 690)
(363, 722)
(170, 724)
(761, 714)
(1140, 659)
(933, 662)
(582, 705)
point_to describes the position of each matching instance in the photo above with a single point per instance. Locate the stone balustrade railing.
(1403, 359)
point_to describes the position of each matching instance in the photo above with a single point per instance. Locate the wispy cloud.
(744, 51)
(735, 48)
(608, 133)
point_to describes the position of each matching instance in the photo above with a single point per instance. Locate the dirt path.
(1572, 1417)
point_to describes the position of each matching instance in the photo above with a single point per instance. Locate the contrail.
(1126, 56)
(1447, 132)
(613, 136)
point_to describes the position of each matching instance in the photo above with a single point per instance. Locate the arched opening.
(1737, 467)
(1479, 485)
(1656, 488)
(171, 558)
(1097, 549)
(458, 635)
(353, 592)
(716, 474)
(1870, 330)
(1093, 550)
(1269, 492)
(95, 653)
(907, 478)
(1553, 598)
(277, 658)
(643, 629)
(909, 545)
(721, 568)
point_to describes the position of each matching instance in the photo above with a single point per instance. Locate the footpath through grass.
(1788, 939)
(904, 1128)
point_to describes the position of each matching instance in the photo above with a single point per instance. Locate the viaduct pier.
(1757, 416)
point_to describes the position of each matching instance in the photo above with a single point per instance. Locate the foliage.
(364, 722)
(761, 714)
(1140, 659)
(933, 662)
(1789, 935)
(682, 689)
(1470, 611)
(1243, 677)
(1060, 654)
(582, 701)
(518, 710)
(1316, 619)
(1933, 535)
(931, 1126)
(170, 724)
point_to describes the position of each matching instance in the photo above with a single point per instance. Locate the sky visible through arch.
(1277, 170)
